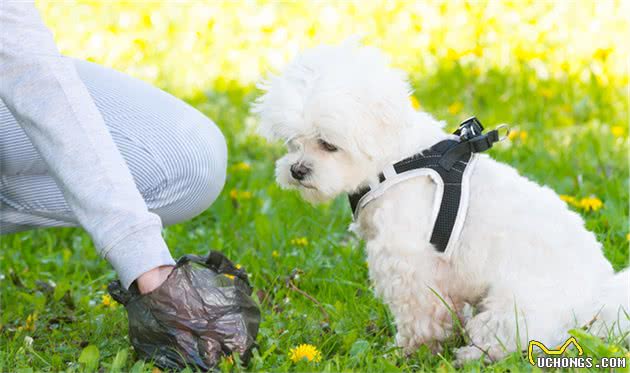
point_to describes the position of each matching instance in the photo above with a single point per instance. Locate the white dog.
(522, 258)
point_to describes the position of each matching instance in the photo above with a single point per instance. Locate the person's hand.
(149, 281)
(197, 312)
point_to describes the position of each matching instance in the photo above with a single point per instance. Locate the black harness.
(449, 158)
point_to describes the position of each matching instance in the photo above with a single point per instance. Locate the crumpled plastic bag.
(203, 311)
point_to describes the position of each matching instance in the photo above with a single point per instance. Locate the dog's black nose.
(299, 171)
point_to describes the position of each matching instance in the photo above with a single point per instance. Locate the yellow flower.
(455, 107)
(569, 200)
(305, 351)
(107, 301)
(546, 92)
(513, 134)
(242, 166)
(238, 194)
(523, 135)
(414, 102)
(29, 326)
(275, 254)
(591, 203)
(301, 241)
(628, 237)
(617, 131)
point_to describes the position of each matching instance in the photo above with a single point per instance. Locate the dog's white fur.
(523, 258)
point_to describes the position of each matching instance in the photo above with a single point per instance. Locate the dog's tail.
(613, 316)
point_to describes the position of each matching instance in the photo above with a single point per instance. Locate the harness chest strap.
(449, 163)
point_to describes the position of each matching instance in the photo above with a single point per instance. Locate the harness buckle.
(469, 128)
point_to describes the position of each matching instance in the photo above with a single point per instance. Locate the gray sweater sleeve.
(44, 93)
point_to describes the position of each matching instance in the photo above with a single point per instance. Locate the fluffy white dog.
(522, 258)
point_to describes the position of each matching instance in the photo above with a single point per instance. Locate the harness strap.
(449, 159)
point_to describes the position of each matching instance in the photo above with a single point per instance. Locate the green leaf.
(119, 361)
(89, 358)
(359, 348)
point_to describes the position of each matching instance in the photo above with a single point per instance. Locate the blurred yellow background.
(189, 46)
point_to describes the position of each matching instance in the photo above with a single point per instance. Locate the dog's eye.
(327, 146)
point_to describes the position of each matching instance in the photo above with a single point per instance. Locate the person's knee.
(198, 172)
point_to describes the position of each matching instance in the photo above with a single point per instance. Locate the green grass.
(569, 147)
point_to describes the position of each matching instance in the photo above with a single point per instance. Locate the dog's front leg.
(414, 286)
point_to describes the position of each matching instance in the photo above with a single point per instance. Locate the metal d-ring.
(507, 131)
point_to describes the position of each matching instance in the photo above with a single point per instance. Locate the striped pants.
(176, 155)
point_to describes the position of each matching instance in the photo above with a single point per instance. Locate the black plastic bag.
(203, 311)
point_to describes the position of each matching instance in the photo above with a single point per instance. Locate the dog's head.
(340, 110)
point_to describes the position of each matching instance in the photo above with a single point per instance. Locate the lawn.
(570, 132)
(53, 284)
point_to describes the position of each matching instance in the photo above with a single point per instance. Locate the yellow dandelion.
(242, 166)
(240, 194)
(569, 200)
(628, 237)
(617, 131)
(229, 359)
(29, 325)
(591, 203)
(523, 135)
(513, 134)
(455, 107)
(275, 254)
(546, 92)
(305, 351)
(107, 301)
(414, 102)
(301, 241)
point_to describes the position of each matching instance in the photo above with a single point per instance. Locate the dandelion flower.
(275, 254)
(238, 194)
(617, 131)
(523, 135)
(29, 325)
(242, 166)
(301, 241)
(628, 237)
(513, 134)
(107, 301)
(569, 199)
(455, 107)
(414, 102)
(546, 92)
(305, 351)
(591, 203)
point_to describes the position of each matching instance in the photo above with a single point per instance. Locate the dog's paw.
(466, 354)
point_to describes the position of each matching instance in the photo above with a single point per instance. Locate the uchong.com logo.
(555, 358)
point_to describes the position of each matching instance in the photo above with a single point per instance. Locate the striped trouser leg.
(176, 155)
